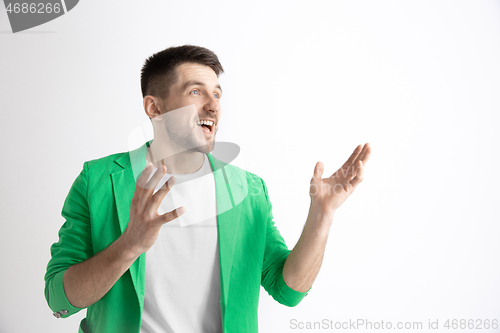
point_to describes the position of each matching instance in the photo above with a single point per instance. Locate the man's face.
(196, 86)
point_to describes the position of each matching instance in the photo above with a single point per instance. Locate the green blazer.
(251, 249)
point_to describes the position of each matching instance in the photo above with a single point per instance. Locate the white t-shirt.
(182, 286)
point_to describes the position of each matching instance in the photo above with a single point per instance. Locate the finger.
(359, 175)
(366, 154)
(158, 175)
(150, 186)
(169, 216)
(141, 182)
(144, 176)
(360, 155)
(318, 170)
(353, 156)
(158, 197)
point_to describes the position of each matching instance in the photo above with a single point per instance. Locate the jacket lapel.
(123, 190)
(231, 188)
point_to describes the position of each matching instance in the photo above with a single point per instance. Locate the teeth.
(205, 122)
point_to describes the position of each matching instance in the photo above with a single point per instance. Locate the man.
(141, 262)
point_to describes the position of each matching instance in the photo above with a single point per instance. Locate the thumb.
(318, 170)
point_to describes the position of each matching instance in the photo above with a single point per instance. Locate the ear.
(151, 106)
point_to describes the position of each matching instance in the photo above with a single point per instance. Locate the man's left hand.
(327, 194)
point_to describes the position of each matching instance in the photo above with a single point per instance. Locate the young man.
(144, 256)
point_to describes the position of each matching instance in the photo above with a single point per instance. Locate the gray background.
(419, 80)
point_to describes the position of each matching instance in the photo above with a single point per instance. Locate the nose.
(212, 105)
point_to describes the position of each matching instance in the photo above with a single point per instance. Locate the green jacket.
(251, 249)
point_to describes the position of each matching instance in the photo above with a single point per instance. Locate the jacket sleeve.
(275, 256)
(74, 245)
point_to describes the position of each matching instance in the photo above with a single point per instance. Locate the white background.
(419, 80)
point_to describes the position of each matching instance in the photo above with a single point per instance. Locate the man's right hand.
(144, 221)
(88, 281)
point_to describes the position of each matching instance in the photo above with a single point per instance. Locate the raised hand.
(327, 194)
(144, 221)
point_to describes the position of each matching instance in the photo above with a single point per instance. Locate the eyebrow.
(198, 83)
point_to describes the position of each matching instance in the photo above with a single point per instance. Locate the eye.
(195, 91)
(216, 95)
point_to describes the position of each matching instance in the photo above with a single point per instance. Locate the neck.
(176, 160)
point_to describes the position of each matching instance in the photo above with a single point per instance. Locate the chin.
(207, 148)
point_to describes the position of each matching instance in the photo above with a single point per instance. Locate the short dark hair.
(158, 71)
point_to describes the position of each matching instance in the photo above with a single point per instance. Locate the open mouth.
(206, 125)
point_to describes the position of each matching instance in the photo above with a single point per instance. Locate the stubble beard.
(185, 140)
